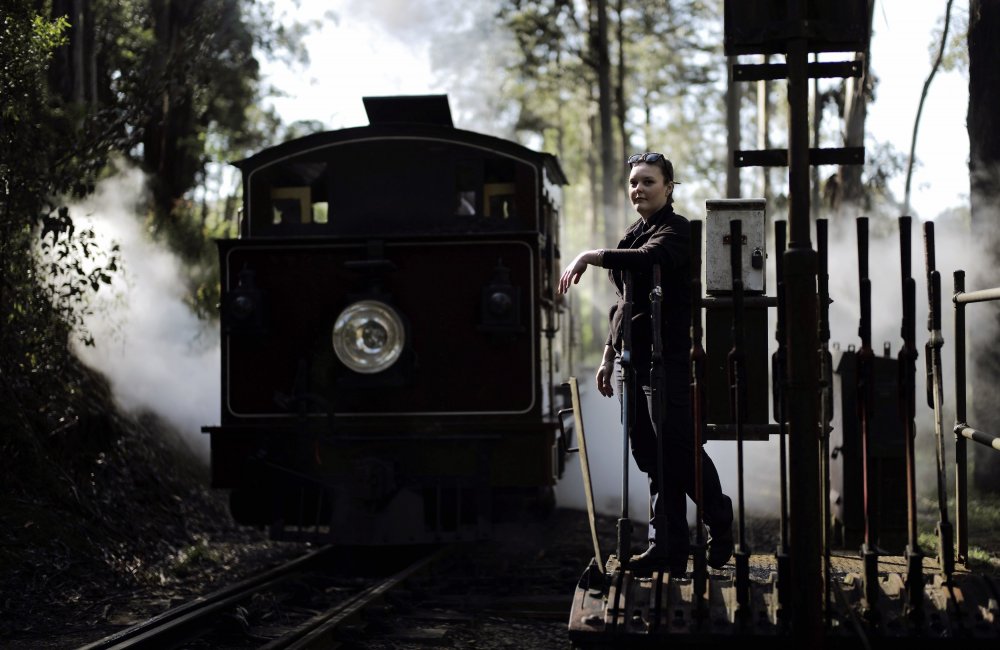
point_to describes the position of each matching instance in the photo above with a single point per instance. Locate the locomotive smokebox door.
(719, 318)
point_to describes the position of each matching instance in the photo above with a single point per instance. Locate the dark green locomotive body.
(391, 335)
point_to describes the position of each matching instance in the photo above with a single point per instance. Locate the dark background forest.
(91, 89)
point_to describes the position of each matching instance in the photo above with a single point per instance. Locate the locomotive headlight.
(368, 336)
(500, 303)
(499, 311)
(243, 307)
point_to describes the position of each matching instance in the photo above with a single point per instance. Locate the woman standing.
(659, 236)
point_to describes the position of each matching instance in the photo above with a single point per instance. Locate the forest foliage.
(87, 88)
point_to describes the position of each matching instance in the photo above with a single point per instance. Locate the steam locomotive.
(392, 343)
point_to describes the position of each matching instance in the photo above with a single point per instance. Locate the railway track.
(307, 605)
(321, 630)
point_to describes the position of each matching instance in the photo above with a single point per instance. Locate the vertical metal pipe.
(803, 388)
(734, 97)
(628, 384)
(779, 363)
(932, 354)
(866, 399)
(657, 384)
(737, 406)
(914, 593)
(700, 573)
(865, 379)
(817, 108)
(961, 460)
(826, 399)
(907, 357)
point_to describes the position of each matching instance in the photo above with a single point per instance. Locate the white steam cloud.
(157, 354)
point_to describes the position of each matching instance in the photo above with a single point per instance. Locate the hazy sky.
(368, 48)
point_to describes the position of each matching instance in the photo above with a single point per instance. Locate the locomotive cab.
(390, 332)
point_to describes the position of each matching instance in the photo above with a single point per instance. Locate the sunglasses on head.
(654, 158)
(648, 157)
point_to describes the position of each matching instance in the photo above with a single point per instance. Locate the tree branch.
(920, 107)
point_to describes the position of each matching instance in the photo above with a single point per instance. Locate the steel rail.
(321, 630)
(179, 622)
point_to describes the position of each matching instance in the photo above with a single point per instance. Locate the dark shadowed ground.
(81, 559)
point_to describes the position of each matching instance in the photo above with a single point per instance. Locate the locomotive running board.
(615, 609)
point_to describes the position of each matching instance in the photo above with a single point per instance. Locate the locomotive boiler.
(391, 341)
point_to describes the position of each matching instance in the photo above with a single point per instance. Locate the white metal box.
(718, 264)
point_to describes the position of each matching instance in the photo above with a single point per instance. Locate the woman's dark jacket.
(665, 240)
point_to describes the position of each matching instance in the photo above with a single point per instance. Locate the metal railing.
(964, 432)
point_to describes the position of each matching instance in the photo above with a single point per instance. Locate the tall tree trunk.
(91, 49)
(73, 73)
(560, 118)
(856, 93)
(620, 107)
(170, 122)
(597, 230)
(984, 184)
(79, 56)
(609, 187)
